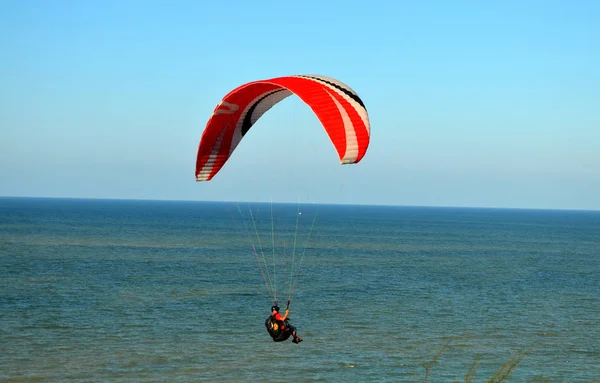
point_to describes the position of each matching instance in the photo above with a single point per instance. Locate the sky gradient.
(481, 104)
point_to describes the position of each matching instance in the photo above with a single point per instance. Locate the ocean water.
(151, 291)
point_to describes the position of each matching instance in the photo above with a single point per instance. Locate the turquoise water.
(149, 291)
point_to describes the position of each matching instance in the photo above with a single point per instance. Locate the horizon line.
(304, 203)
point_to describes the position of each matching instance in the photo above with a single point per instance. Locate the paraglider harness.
(279, 330)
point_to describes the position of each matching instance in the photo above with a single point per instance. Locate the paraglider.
(279, 327)
(340, 110)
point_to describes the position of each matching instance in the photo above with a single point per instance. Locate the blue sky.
(472, 103)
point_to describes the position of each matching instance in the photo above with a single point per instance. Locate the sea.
(96, 290)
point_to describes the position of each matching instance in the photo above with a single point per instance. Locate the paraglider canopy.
(339, 109)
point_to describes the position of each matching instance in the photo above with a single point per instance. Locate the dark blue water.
(150, 291)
